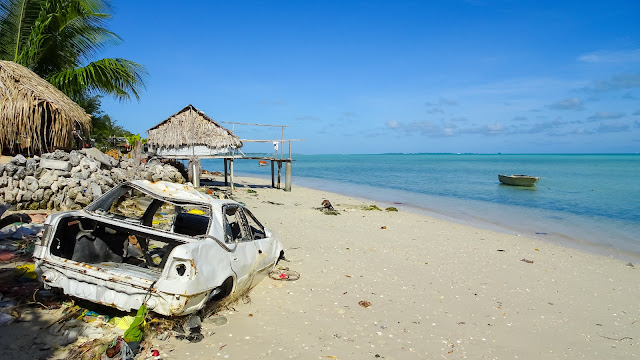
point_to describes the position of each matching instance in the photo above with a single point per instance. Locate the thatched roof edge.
(211, 134)
(30, 106)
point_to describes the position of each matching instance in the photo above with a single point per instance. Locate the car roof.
(182, 192)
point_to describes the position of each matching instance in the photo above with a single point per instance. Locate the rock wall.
(67, 181)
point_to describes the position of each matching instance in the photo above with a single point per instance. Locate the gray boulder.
(55, 164)
(60, 155)
(19, 160)
(97, 155)
(96, 191)
(27, 195)
(31, 183)
(38, 195)
(31, 166)
(83, 200)
(47, 179)
(47, 194)
(10, 169)
(74, 158)
(20, 173)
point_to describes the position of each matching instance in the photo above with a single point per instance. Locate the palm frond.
(116, 77)
(17, 17)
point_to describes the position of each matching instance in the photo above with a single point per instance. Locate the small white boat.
(518, 180)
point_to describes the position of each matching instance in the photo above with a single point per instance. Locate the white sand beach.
(432, 289)
(437, 290)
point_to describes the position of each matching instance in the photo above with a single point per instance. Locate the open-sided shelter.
(35, 117)
(188, 133)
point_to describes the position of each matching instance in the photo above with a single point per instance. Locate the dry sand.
(436, 289)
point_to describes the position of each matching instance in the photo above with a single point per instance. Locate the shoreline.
(435, 289)
(451, 215)
(405, 285)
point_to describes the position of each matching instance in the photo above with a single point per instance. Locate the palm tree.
(57, 40)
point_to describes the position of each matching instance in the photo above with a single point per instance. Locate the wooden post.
(231, 174)
(190, 170)
(273, 181)
(287, 179)
(225, 172)
(196, 172)
(279, 169)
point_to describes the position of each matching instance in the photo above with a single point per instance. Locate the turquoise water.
(582, 200)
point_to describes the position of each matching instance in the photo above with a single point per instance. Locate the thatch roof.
(191, 127)
(34, 115)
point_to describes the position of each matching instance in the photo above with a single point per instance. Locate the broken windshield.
(130, 204)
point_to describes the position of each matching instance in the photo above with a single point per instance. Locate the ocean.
(591, 202)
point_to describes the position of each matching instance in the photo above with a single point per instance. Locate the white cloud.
(572, 103)
(442, 102)
(606, 115)
(617, 82)
(393, 124)
(608, 128)
(624, 56)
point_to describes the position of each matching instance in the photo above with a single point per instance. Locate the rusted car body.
(164, 243)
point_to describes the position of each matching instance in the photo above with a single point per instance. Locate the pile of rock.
(67, 181)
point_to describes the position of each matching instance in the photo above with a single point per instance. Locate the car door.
(245, 259)
(267, 251)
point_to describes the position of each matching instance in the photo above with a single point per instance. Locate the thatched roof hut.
(190, 132)
(35, 117)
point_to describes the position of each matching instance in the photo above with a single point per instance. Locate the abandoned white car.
(165, 243)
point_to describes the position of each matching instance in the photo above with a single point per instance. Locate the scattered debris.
(624, 338)
(527, 261)
(328, 212)
(371, 207)
(284, 274)
(250, 191)
(391, 208)
(194, 325)
(327, 208)
(364, 303)
(273, 202)
(327, 205)
(383, 227)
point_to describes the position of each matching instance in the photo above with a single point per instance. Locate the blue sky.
(392, 76)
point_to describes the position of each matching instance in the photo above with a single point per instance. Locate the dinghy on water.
(518, 180)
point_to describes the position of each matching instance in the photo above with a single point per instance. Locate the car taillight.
(182, 269)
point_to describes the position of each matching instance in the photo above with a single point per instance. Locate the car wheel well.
(225, 289)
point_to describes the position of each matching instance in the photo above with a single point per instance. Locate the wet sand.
(436, 290)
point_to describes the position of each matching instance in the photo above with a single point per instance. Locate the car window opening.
(89, 241)
(257, 230)
(233, 224)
